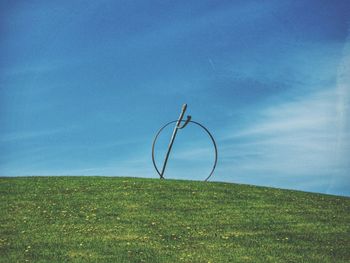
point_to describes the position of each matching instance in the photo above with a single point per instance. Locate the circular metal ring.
(197, 123)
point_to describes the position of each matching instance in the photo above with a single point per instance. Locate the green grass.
(99, 219)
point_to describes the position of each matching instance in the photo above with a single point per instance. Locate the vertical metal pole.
(184, 107)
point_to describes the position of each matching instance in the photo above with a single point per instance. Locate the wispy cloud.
(32, 134)
(298, 140)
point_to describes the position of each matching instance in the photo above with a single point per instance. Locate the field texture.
(99, 219)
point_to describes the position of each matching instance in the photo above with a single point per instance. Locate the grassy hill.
(99, 219)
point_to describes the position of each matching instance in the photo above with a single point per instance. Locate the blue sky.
(84, 86)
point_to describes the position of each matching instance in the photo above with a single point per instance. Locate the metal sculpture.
(180, 124)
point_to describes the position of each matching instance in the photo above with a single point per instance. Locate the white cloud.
(305, 141)
(24, 135)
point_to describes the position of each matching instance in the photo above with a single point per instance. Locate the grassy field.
(99, 219)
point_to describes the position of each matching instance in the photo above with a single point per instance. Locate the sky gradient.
(85, 85)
